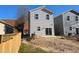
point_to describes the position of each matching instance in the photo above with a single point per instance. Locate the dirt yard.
(56, 44)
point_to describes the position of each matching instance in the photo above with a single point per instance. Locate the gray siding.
(71, 23)
(41, 22)
(58, 25)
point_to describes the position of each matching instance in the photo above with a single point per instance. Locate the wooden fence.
(10, 43)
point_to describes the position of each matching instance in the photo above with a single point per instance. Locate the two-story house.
(67, 23)
(41, 22)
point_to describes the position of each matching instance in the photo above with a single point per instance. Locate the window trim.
(70, 28)
(69, 34)
(36, 16)
(47, 17)
(68, 18)
(76, 18)
(38, 28)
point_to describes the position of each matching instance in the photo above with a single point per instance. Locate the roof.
(46, 10)
(72, 11)
(10, 22)
(1, 21)
(43, 8)
(75, 12)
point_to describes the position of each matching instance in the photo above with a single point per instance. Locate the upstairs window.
(38, 28)
(68, 18)
(76, 18)
(47, 17)
(36, 16)
(70, 28)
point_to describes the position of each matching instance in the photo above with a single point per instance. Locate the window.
(76, 18)
(36, 16)
(38, 28)
(8, 29)
(69, 34)
(68, 18)
(70, 28)
(48, 31)
(47, 17)
(77, 31)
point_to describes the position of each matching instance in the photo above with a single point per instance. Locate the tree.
(22, 17)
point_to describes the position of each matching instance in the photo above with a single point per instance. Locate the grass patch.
(30, 49)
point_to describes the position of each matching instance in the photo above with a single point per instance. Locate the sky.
(10, 11)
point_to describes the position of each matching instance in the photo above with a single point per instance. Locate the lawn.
(30, 49)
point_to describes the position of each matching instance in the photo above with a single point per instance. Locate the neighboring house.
(67, 24)
(41, 22)
(6, 28)
(13, 23)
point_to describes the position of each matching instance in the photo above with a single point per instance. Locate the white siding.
(42, 22)
(2, 29)
(67, 24)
